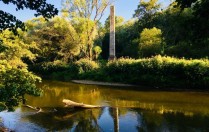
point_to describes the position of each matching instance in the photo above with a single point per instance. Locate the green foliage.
(160, 71)
(186, 3)
(176, 25)
(85, 65)
(15, 79)
(85, 17)
(125, 43)
(2, 106)
(119, 20)
(97, 51)
(15, 83)
(41, 7)
(15, 48)
(54, 39)
(146, 12)
(86, 31)
(46, 68)
(91, 9)
(151, 42)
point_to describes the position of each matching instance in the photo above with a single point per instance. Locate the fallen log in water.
(78, 105)
(34, 108)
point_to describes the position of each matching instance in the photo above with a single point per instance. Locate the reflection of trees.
(158, 111)
(88, 121)
(66, 118)
(150, 120)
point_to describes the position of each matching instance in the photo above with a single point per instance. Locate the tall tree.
(201, 17)
(56, 39)
(90, 11)
(15, 80)
(146, 12)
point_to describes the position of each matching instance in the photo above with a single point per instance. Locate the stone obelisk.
(112, 33)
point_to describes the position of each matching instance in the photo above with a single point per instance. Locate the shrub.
(47, 68)
(158, 70)
(85, 65)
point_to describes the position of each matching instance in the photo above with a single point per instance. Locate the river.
(125, 109)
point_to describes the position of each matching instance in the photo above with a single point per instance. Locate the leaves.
(91, 9)
(15, 83)
(40, 6)
(15, 49)
(150, 42)
(54, 39)
(15, 80)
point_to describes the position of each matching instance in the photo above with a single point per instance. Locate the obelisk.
(112, 33)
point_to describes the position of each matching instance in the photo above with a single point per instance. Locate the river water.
(125, 109)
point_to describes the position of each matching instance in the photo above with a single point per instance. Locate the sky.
(124, 8)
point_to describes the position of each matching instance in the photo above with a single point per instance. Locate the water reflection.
(174, 122)
(120, 119)
(124, 110)
(78, 120)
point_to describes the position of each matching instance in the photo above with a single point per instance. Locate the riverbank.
(90, 82)
(159, 72)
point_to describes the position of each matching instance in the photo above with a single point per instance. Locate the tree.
(176, 24)
(185, 3)
(15, 49)
(201, 18)
(185, 28)
(88, 11)
(151, 42)
(40, 6)
(125, 41)
(146, 12)
(56, 39)
(15, 79)
(119, 21)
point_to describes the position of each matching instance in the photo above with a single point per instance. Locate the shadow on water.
(124, 110)
(120, 119)
(67, 119)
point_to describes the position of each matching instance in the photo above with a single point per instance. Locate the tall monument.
(112, 33)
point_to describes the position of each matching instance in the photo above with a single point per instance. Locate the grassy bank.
(157, 71)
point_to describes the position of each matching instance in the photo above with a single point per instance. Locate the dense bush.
(83, 68)
(86, 65)
(157, 71)
(160, 71)
(47, 68)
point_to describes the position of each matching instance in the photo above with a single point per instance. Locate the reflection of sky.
(15, 121)
(124, 8)
(130, 120)
(19, 121)
(106, 122)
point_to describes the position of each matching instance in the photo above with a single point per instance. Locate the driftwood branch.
(34, 108)
(78, 105)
